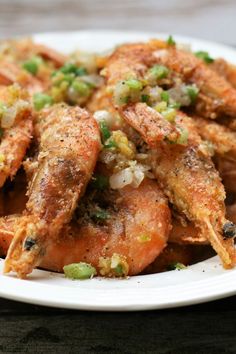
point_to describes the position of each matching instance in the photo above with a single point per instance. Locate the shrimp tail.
(225, 249)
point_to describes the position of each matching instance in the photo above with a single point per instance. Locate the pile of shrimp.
(124, 162)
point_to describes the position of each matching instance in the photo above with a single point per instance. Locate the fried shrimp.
(193, 185)
(11, 73)
(133, 235)
(16, 129)
(223, 140)
(225, 69)
(215, 94)
(69, 142)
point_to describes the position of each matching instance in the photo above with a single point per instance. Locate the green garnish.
(159, 72)
(100, 182)
(170, 40)
(165, 96)
(175, 105)
(104, 130)
(80, 271)
(119, 270)
(192, 92)
(32, 65)
(3, 108)
(144, 98)
(204, 56)
(134, 84)
(100, 215)
(183, 138)
(169, 114)
(41, 100)
(175, 266)
(110, 144)
(70, 68)
(81, 87)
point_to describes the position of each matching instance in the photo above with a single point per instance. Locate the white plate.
(201, 282)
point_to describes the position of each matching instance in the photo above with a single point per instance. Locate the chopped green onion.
(165, 96)
(175, 105)
(169, 114)
(144, 98)
(183, 138)
(81, 71)
(192, 92)
(81, 87)
(119, 270)
(70, 68)
(170, 41)
(3, 108)
(161, 106)
(100, 182)
(204, 56)
(42, 100)
(134, 84)
(159, 71)
(177, 266)
(110, 144)
(104, 130)
(32, 65)
(80, 271)
(100, 215)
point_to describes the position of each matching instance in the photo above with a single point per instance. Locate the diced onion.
(132, 175)
(121, 178)
(104, 115)
(9, 117)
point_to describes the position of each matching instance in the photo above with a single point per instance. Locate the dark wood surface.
(207, 328)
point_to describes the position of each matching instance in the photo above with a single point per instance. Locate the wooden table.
(208, 328)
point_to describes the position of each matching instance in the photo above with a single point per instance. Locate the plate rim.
(149, 303)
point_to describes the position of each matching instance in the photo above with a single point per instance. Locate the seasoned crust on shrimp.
(69, 145)
(223, 140)
(193, 185)
(225, 69)
(216, 95)
(16, 138)
(136, 232)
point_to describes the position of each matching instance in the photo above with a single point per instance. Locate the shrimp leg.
(68, 150)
